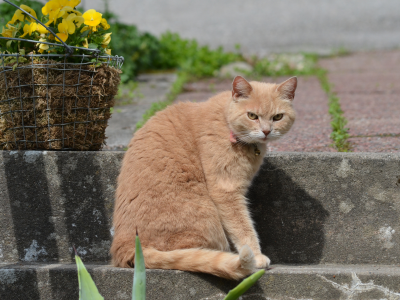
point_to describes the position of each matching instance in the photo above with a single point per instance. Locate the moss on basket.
(45, 104)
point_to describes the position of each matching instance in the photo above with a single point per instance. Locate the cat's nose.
(266, 132)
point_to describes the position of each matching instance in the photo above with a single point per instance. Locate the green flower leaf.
(87, 287)
(139, 277)
(244, 286)
(93, 46)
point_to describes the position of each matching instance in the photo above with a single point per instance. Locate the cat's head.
(260, 112)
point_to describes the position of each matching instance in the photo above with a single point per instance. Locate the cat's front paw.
(262, 261)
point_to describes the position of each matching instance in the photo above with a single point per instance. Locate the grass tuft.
(340, 133)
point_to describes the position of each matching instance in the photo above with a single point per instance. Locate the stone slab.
(122, 125)
(309, 208)
(311, 131)
(345, 282)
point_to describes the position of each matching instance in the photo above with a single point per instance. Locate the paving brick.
(376, 144)
(368, 85)
(380, 61)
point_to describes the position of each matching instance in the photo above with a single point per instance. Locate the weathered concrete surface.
(367, 85)
(312, 129)
(308, 208)
(59, 281)
(122, 125)
(50, 201)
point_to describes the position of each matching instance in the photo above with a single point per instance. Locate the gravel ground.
(368, 85)
(311, 131)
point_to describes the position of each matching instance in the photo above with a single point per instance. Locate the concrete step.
(309, 208)
(319, 282)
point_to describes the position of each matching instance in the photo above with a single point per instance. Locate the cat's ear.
(286, 89)
(240, 88)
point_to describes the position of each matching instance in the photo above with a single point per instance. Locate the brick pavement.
(311, 131)
(368, 85)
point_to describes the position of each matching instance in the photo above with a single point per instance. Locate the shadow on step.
(31, 208)
(56, 201)
(288, 220)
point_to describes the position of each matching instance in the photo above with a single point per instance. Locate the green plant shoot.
(139, 277)
(244, 286)
(87, 288)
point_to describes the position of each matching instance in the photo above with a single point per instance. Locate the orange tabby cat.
(185, 175)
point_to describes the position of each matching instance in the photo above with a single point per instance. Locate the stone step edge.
(283, 282)
(274, 269)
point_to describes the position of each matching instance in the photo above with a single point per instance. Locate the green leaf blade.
(244, 286)
(87, 287)
(139, 277)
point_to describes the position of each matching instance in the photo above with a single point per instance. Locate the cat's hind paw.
(262, 261)
(246, 257)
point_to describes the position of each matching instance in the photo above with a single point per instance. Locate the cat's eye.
(278, 117)
(252, 116)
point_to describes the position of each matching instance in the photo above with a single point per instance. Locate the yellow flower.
(107, 39)
(29, 10)
(18, 16)
(65, 28)
(85, 28)
(92, 17)
(78, 13)
(104, 24)
(10, 32)
(69, 10)
(78, 20)
(42, 47)
(50, 6)
(70, 3)
(108, 51)
(41, 29)
(53, 9)
(66, 9)
(29, 29)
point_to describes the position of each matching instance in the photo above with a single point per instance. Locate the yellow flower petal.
(86, 43)
(18, 16)
(64, 29)
(75, 20)
(53, 9)
(29, 10)
(70, 3)
(108, 51)
(41, 29)
(7, 32)
(107, 38)
(51, 6)
(62, 36)
(42, 46)
(104, 24)
(26, 30)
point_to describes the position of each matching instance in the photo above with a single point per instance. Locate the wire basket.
(56, 105)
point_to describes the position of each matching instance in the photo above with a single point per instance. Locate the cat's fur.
(185, 175)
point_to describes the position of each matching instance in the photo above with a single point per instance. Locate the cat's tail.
(222, 264)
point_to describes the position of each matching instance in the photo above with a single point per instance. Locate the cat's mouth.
(234, 139)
